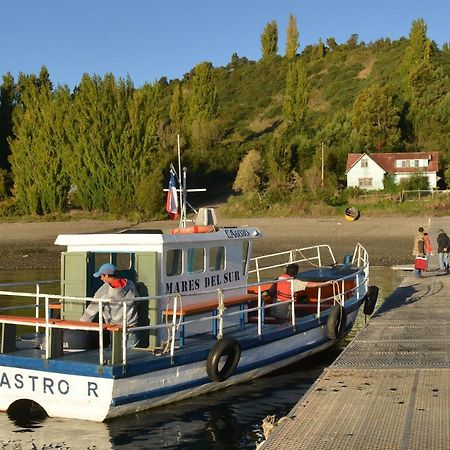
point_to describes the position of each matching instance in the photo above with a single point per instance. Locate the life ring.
(336, 323)
(351, 214)
(225, 347)
(194, 229)
(370, 300)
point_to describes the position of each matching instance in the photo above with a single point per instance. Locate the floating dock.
(390, 388)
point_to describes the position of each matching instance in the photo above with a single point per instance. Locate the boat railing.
(176, 319)
(314, 256)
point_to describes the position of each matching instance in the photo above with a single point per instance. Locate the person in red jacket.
(428, 248)
(283, 290)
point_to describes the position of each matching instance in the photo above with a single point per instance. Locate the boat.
(205, 318)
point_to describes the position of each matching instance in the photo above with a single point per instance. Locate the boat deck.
(390, 388)
(197, 347)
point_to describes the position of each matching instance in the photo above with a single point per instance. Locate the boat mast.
(183, 190)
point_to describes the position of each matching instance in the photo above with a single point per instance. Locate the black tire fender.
(229, 348)
(370, 300)
(336, 322)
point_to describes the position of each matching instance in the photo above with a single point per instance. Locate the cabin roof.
(135, 241)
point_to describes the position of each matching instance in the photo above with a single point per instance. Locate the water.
(225, 420)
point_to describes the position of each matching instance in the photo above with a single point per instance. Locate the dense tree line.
(260, 127)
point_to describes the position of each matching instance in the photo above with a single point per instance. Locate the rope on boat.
(308, 260)
(220, 310)
(337, 294)
(165, 345)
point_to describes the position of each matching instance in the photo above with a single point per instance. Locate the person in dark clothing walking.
(443, 242)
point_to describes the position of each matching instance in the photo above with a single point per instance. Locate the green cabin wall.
(77, 281)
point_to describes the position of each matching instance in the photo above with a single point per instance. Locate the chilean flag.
(172, 198)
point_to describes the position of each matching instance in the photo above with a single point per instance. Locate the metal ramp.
(390, 388)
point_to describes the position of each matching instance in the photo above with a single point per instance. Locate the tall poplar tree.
(375, 120)
(40, 183)
(203, 107)
(114, 137)
(269, 40)
(202, 101)
(97, 165)
(292, 38)
(419, 47)
(176, 107)
(296, 95)
(7, 103)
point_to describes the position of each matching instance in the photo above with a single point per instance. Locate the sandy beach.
(388, 239)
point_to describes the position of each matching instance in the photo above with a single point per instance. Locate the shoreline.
(30, 245)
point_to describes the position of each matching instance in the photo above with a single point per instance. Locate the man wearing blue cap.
(116, 290)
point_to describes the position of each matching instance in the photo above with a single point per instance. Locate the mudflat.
(389, 240)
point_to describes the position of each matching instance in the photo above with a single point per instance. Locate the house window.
(416, 163)
(364, 182)
(364, 163)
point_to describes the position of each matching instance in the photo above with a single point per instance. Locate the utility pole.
(321, 178)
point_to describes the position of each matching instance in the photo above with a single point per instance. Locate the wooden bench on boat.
(9, 324)
(213, 306)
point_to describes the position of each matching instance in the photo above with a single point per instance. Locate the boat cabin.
(194, 264)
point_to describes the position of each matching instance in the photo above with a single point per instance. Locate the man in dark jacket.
(443, 242)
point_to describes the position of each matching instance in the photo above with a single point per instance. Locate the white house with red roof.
(367, 170)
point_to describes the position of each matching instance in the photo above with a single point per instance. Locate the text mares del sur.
(196, 284)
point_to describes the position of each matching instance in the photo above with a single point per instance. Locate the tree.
(248, 177)
(375, 119)
(202, 98)
(203, 107)
(292, 38)
(319, 50)
(114, 136)
(269, 40)
(419, 48)
(7, 103)
(176, 107)
(332, 44)
(40, 183)
(296, 95)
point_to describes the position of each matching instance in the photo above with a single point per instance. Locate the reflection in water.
(225, 420)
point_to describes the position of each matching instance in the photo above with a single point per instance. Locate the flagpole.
(180, 184)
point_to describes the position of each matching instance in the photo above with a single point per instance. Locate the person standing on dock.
(417, 238)
(419, 249)
(428, 248)
(443, 243)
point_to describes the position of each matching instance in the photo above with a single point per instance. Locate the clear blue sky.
(148, 39)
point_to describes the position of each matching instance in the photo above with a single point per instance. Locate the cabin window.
(101, 258)
(174, 262)
(245, 253)
(122, 261)
(216, 258)
(196, 260)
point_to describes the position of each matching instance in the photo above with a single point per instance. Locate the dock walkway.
(390, 388)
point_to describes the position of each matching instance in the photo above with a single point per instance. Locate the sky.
(150, 39)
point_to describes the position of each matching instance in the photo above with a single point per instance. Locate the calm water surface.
(229, 419)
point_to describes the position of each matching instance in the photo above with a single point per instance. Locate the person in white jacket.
(115, 289)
